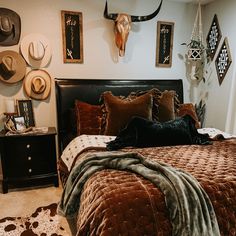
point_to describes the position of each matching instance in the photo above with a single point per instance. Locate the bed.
(118, 200)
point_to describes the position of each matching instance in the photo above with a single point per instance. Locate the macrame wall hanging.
(196, 48)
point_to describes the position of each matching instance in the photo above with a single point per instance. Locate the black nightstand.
(28, 159)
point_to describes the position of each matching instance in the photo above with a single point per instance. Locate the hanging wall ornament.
(196, 47)
(223, 61)
(213, 37)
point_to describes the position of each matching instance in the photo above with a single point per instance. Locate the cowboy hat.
(36, 50)
(10, 27)
(12, 66)
(37, 84)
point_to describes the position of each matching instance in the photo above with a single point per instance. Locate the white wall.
(100, 55)
(221, 103)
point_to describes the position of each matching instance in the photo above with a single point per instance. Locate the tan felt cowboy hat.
(10, 27)
(12, 67)
(36, 50)
(37, 84)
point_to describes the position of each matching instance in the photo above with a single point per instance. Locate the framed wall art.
(72, 35)
(213, 37)
(25, 109)
(165, 33)
(223, 60)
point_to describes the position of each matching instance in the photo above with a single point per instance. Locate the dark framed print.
(223, 60)
(25, 109)
(213, 37)
(72, 36)
(19, 123)
(165, 34)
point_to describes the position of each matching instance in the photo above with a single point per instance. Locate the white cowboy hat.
(10, 27)
(12, 67)
(36, 50)
(37, 84)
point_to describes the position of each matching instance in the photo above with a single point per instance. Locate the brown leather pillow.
(118, 111)
(189, 109)
(88, 118)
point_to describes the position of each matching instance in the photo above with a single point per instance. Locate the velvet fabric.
(189, 109)
(183, 194)
(88, 118)
(165, 104)
(141, 203)
(120, 111)
(144, 133)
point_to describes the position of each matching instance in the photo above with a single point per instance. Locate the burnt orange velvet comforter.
(122, 203)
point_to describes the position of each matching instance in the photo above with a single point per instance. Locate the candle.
(10, 105)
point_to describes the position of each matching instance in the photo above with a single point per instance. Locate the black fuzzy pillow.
(141, 132)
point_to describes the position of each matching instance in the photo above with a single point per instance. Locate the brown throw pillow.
(167, 106)
(88, 118)
(118, 111)
(189, 109)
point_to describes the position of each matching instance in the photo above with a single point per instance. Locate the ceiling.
(194, 1)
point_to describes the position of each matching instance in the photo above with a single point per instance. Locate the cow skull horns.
(123, 25)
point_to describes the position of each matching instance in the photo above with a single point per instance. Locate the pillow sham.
(118, 111)
(88, 117)
(165, 104)
(189, 109)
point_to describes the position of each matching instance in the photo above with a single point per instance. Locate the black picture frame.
(72, 35)
(223, 60)
(25, 109)
(213, 37)
(165, 34)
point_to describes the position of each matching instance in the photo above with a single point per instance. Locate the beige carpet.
(23, 202)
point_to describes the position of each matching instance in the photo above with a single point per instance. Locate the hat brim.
(24, 47)
(20, 67)
(28, 82)
(14, 37)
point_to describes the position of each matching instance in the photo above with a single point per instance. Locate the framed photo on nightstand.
(19, 123)
(25, 109)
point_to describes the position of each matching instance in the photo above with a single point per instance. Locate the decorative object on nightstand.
(28, 159)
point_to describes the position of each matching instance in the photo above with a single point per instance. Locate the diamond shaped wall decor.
(223, 61)
(214, 36)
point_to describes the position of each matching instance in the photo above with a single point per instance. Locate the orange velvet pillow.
(88, 118)
(189, 109)
(118, 111)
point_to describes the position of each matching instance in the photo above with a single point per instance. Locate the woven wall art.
(223, 60)
(213, 37)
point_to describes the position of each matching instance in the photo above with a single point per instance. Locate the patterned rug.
(43, 222)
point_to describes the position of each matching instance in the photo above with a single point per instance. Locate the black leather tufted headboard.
(67, 90)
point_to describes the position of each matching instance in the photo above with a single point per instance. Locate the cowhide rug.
(43, 222)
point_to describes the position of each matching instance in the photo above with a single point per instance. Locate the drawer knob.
(29, 158)
(28, 145)
(30, 170)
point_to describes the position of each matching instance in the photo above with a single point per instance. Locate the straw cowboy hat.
(12, 67)
(36, 50)
(10, 27)
(37, 84)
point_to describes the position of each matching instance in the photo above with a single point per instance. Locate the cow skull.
(122, 25)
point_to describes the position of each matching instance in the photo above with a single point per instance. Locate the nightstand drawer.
(22, 149)
(29, 158)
